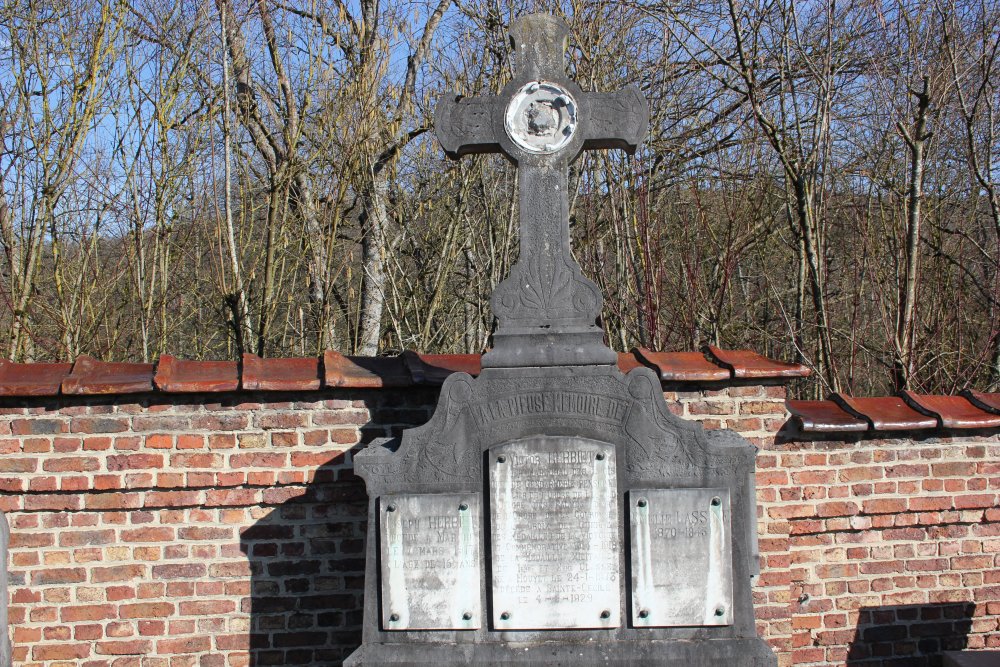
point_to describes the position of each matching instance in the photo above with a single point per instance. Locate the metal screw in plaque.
(554, 510)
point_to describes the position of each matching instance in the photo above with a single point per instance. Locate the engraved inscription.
(554, 518)
(429, 547)
(601, 408)
(681, 557)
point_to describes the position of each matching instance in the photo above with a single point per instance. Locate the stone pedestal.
(597, 529)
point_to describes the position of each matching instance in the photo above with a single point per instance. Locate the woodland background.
(821, 181)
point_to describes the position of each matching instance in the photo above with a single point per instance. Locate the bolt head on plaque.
(541, 117)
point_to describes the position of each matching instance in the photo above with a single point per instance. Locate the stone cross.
(547, 309)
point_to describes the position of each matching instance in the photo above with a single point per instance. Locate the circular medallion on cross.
(541, 117)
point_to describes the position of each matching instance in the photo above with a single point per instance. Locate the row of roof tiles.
(841, 413)
(172, 375)
(907, 411)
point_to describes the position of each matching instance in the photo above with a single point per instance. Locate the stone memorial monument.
(553, 511)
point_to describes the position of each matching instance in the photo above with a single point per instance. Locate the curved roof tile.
(175, 375)
(172, 375)
(952, 411)
(824, 417)
(364, 372)
(885, 413)
(747, 364)
(90, 376)
(280, 374)
(683, 366)
(31, 379)
(986, 401)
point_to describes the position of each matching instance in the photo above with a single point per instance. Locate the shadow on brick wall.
(910, 635)
(306, 554)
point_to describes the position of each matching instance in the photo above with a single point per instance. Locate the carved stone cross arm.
(547, 309)
(470, 125)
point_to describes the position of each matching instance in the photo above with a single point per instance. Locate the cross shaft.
(546, 308)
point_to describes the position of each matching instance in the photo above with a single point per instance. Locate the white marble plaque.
(682, 572)
(429, 549)
(554, 524)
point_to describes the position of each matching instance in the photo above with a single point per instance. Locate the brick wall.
(171, 530)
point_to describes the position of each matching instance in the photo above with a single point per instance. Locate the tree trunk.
(373, 228)
(902, 368)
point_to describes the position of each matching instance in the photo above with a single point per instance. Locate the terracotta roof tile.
(434, 368)
(824, 417)
(40, 379)
(986, 401)
(886, 413)
(683, 366)
(746, 364)
(952, 411)
(364, 372)
(175, 375)
(90, 376)
(280, 374)
(628, 361)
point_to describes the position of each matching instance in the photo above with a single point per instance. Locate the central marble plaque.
(430, 561)
(555, 537)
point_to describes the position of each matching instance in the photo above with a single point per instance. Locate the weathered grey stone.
(653, 449)
(547, 309)
(555, 438)
(5, 647)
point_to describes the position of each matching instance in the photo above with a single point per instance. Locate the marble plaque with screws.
(555, 537)
(681, 557)
(429, 549)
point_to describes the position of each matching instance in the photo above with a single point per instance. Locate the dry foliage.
(821, 181)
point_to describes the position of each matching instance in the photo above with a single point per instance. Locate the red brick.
(207, 607)
(91, 612)
(59, 575)
(800, 621)
(311, 459)
(86, 537)
(159, 441)
(18, 464)
(148, 534)
(152, 628)
(172, 498)
(135, 461)
(112, 501)
(117, 573)
(190, 442)
(286, 420)
(60, 651)
(884, 506)
(221, 441)
(146, 610)
(975, 501)
(836, 509)
(258, 460)
(205, 533)
(196, 460)
(179, 571)
(183, 645)
(813, 476)
(130, 647)
(954, 469)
